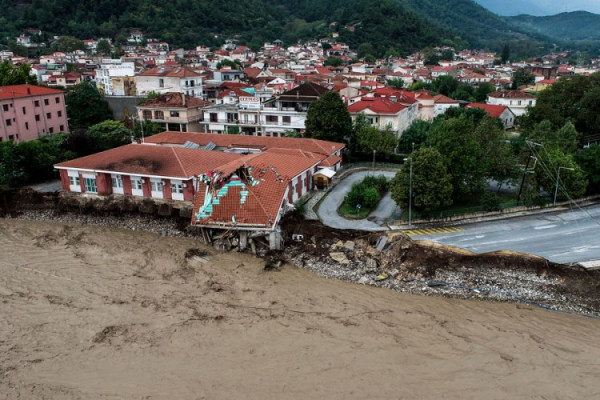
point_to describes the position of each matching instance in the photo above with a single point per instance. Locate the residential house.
(169, 78)
(516, 100)
(28, 112)
(384, 113)
(442, 104)
(502, 112)
(173, 112)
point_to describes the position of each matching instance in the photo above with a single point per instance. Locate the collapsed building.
(238, 187)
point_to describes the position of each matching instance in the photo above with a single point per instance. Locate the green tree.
(572, 181)
(227, 63)
(86, 106)
(482, 91)
(109, 134)
(103, 47)
(445, 85)
(334, 62)
(396, 83)
(328, 119)
(431, 186)
(416, 133)
(9, 75)
(369, 139)
(292, 133)
(574, 99)
(505, 55)
(455, 141)
(589, 161)
(522, 77)
(566, 138)
(68, 44)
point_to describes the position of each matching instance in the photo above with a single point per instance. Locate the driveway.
(327, 211)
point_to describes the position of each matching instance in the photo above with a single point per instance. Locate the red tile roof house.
(28, 112)
(503, 112)
(158, 172)
(382, 112)
(245, 183)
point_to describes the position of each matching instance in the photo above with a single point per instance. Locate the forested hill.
(387, 26)
(579, 25)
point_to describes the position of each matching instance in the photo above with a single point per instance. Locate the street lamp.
(409, 191)
(557, 179)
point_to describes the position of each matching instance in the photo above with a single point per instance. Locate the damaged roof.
(147, 160)
(248, 192)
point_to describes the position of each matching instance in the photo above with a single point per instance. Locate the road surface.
(327, 211)
(565, 237)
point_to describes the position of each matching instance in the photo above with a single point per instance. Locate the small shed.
(323, 177)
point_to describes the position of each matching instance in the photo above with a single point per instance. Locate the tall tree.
(328, 119)
(432, 189)
(505, 56)
(461, 152)
(86, 106)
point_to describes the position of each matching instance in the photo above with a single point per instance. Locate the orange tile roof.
(492, 110)
(254, 199)
(511, 94)
(148, 160)
(16, 91)
(377, 105)
(223, 140)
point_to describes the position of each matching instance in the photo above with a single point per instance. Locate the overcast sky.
(540, 7)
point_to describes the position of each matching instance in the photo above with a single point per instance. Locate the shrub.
(490, 202)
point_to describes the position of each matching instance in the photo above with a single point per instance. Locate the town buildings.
(173, 111)
(516, 100)
(28, 112)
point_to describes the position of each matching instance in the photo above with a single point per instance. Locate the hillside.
(579, 25)
(384, 26)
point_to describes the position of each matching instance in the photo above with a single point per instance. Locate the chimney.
(183, 98)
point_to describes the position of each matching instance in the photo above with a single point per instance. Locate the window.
(159, 115)
(147, 114)
(8, 122)
(117, 181)
(530, 102)
(48, 115)
(192, 83)
(74, 180)
(136, 184)
(161, 82)
(286, 119)
(37, 117)
(156, 186)
(36, 103)
(174, 113)
(214, 117)
(5, 107)
(26, 125)
(24, 111)
(272, 118)
(90, 185)
(519, 102)
(57, 100)
(46, 102)
(231, 117)
(59, 113)
(51, 129)
(177, 188)
(62, 128)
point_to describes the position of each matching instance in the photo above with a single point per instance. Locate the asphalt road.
(565, 237)
(327, 211)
